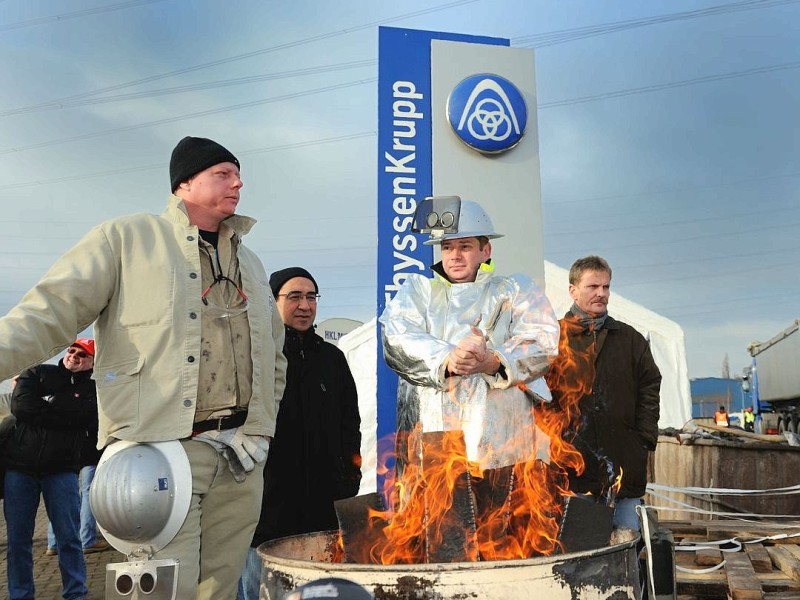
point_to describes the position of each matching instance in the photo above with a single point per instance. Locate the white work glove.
(243, 452)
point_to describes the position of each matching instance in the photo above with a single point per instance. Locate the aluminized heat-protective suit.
(424, 322)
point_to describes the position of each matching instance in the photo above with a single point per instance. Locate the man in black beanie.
(189, 353)
(315, 457)
(193, 155)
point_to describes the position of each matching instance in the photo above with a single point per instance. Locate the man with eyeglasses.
(54, 407)
(315, 457)
(189, 345)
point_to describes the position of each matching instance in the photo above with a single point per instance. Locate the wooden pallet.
(768, 570)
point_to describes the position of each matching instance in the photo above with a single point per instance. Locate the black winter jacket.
(619, 418)
(56, 420)
(314, 457)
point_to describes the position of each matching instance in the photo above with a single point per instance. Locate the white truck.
(774, 381)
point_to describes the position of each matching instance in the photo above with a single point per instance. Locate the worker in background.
(618, 421)
(749, 419)
(721, 417)
(189, 350)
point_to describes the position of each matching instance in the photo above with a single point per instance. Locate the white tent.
(666, 343)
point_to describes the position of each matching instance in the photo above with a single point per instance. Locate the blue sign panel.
(404, 178)
(488, 113)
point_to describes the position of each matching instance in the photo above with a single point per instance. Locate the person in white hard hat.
(467, 344)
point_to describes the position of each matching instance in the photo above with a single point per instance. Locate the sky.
(668, 138)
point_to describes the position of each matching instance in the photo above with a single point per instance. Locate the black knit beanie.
(192, 155)
(278, 278)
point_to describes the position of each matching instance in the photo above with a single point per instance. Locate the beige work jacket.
(138, 279)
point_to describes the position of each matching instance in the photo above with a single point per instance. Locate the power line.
(541, 40)
(714, 274)
(683, 240)
(792, 302)
(195, 87)
(370, 63)
(75, 15)
(646, 89)
(737, 299)
(204, 113)
(693, 188)
(728, 257)
(618, 93)
(246, 55)
(638, 226)
(537, 39)
(668, 86)
(331, 140)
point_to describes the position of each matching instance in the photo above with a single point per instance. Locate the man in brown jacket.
(618, 421)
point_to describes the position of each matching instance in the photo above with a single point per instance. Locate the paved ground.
(45, 568)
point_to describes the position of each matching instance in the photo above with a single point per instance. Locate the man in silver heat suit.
(470, 347)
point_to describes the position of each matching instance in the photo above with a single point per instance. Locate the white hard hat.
(472, 222)
(140, 494)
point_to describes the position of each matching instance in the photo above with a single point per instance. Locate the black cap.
(192, 155)
(278, 278)
(330, 587)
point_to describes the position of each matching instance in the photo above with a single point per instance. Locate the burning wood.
(449, 507)
(448, 510)
(358, 533)
(586, 524)
(432, 517)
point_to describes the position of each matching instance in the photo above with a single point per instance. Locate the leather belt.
(237, 419)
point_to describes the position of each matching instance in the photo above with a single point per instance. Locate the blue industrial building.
(709, 393)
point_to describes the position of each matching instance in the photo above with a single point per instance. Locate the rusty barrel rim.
(267, 558)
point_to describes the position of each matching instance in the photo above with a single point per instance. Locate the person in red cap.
(90, 456)
(54, 406)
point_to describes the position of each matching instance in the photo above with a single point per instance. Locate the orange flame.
(570, 378)
(617, 483)
(433, 502)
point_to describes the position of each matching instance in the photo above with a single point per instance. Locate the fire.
(570, 377)
(428, 492)
(617, 485)
(443, 508)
